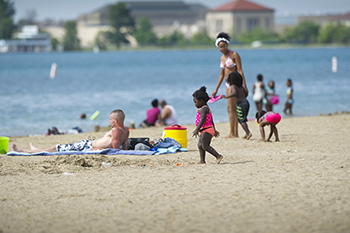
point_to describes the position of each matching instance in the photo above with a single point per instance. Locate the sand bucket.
(4, 143)
(178, 133)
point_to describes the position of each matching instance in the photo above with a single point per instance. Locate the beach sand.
(301, 184)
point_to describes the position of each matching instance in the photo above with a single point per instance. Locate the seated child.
(268, 118)
(153, 115)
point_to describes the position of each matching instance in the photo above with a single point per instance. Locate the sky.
(71, 9)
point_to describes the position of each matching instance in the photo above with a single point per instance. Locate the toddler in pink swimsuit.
(268, 118)
(204, 125)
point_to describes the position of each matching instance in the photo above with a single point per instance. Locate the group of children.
(204, 120)
(267, 95)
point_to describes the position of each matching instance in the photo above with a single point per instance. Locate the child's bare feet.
(262, 140)
(277, 140)
(16, 148)
(200, 162)
(219, 159)
(249, 136)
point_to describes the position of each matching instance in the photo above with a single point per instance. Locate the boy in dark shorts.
(240, 93)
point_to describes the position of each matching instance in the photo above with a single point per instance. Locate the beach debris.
(179, 164)
(93, 116)
(106, 164)
(67, 174)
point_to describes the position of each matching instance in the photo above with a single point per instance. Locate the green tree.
(326, 33)
(257, 34)
(175, 38)
(304, 32)
(342, 34)
(54, 43)
(70, 40)
(101, 40)
(201, 38)
(7, 11)
(122, 23)
(144, 32)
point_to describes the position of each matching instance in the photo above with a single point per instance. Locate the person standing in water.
(269, 93)
(290, 101)
(258, 92)
(230, 62)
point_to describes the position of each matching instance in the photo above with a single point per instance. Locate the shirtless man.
(116, 138)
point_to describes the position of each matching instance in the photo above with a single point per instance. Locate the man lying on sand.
(116, 138)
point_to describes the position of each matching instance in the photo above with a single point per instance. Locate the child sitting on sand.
(204, 125)
(268, 118)
(240, 93)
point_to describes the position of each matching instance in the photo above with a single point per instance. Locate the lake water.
(85, 82)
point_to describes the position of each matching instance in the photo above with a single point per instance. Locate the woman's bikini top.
(229, 63)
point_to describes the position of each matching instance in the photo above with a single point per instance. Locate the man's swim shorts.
(83, 145)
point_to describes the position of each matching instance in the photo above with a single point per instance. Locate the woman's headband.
(218, 40)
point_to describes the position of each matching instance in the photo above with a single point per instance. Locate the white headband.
(218, 40)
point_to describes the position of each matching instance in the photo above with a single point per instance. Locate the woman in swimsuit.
(230, 62)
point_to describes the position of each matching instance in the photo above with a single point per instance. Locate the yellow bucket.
(4, 143)
(178, 133)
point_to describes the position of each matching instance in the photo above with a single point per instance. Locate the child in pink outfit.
(204, 125)
(268, 118)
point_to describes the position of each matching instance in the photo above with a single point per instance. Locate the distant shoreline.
(199, 47)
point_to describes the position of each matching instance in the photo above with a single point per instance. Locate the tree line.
(123, 25)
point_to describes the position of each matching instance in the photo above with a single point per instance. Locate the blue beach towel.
(109, 151)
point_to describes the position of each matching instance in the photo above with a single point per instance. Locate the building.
(165, 16)
(29, 40)
(239, 16)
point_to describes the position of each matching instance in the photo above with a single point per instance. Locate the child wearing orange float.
(204, 125)
(268, 118)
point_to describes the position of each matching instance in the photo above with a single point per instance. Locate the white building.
(239, 16)
(29, 40)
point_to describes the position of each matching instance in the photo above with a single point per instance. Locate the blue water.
(31, 102)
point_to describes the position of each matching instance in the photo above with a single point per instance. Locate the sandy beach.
(300, 184)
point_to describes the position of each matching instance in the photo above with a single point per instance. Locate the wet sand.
(300, 184)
